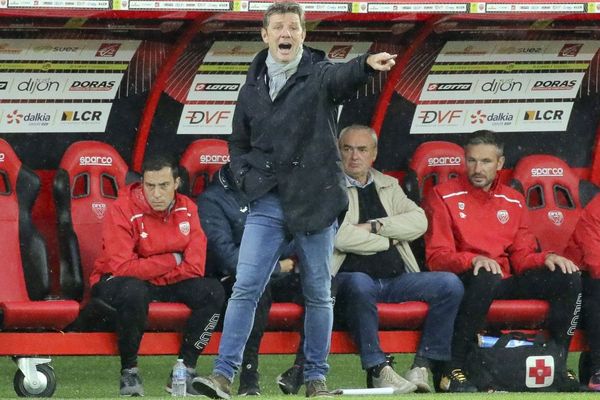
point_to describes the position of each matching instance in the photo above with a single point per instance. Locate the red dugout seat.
(432, 163)
(200, 160)
(554, 195)
(25, 275)
(88, 180)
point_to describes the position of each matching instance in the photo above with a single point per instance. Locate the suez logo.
(197, 117)
(214, 158)
(546, 171)
(2, 156)
(554, 85)
(56, 49)
(449, 87)
(91, 86)
(216, 87)
(81, 116)
(443, 161)
(95, 160)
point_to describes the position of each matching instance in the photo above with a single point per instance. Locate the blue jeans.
(262, 243)
(358, 295)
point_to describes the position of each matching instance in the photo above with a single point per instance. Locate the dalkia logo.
(339, 52)
(108, 49)
(480, 117)
(14, 117)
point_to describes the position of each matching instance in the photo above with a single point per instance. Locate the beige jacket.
(406, 222)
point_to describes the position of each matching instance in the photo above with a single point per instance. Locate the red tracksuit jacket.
(465, 222)
(584, 245)
(140, 242)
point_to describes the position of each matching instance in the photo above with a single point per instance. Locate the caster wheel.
(47, 385)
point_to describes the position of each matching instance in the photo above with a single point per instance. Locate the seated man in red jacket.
(478, 230)
(584, 249)
(154, 250)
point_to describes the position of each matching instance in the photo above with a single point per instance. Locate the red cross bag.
(517, 362)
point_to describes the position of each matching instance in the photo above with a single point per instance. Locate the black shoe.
(130, 383)
(291, 380)
(249, 381)
(570, 383)
(215, 386)
(456, 382)
(317, 388)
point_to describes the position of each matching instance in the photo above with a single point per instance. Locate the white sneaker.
(388, 378)
(419, 376)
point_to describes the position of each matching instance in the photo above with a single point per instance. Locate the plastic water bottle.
(178, 382)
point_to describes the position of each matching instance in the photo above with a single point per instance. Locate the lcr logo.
(79, 116)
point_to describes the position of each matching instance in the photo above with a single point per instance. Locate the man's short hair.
(485, 136)
(156, 162)
(358, 127)
(284, 7)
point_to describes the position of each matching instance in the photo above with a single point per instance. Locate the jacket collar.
(478, 192)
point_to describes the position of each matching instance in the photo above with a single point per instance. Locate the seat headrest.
(547, 181)
(433, 163)
(201, 159)
(10, 165)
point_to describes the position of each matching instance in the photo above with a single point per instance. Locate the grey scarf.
(280, 72)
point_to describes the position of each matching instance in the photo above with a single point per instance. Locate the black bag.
(538, 367)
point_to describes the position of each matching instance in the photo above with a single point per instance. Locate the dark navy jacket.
(291, 143)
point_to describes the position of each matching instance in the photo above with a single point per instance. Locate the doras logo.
(539, 371)
(443, 161)
(556, 217)
(449, 87)
(554, 85)
(339, 52)
(216, 87)
(502, 216)
(91, 86)
(101, 161)
(99, 209)
(546, 171)
(81, 116)
(570, 49)
(214, 158)
(108, 49)
(184, 227)
(2, 156)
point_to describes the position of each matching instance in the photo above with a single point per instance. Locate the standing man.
(223, 210)
(584, 249)
(154, 250)
(374, 264)
(478, 230)
(284, 157)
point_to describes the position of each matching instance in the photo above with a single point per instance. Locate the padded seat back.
(24, 266)
(554, 195)
(432, 163)
(200, 160)
(87, 181)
